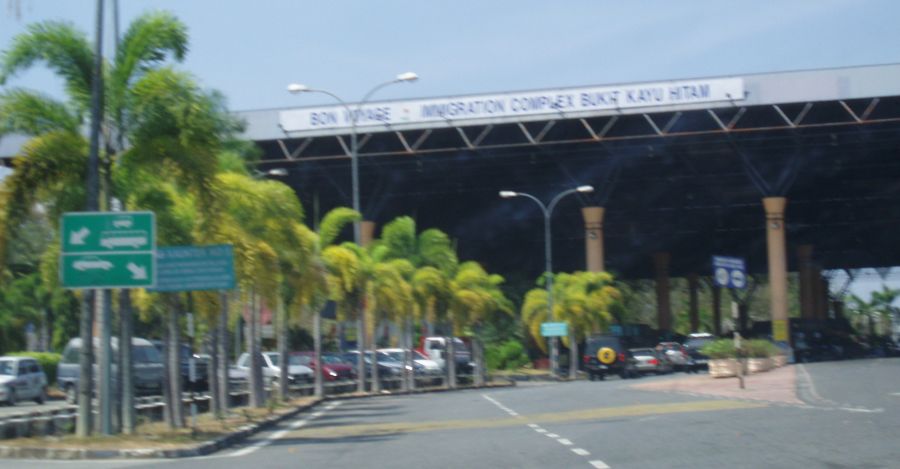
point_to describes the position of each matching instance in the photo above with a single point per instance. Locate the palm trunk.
(361, 346)
(282, 351)
(573, 353)
(376, 379)
(174, 359)
(317, 346)
(478, 354)
(222, 347)
(168, 413)
(450, 350)
(256, 375)
(85, 421)
(408, 350)
(212, 373)
(126, 364)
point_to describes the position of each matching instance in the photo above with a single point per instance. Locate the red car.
(333, 367)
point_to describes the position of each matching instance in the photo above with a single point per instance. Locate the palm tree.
(476, 296)
(346, 286)
(168, 122)
(585, 300)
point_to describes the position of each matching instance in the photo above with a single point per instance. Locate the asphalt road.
(850, 418)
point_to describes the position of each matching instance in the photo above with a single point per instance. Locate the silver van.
(148, 367)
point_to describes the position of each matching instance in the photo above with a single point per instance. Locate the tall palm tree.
(160, 112)
(584, 300)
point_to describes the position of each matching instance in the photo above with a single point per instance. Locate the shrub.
(722, 348)
(505, 356)
(759, 348)
(48, 361)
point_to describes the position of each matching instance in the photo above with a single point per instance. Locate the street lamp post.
(548, 255)
(353, 115)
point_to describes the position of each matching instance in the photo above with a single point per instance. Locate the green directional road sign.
(554, 329)
(121, 270)
(108, 232)
(108, 250)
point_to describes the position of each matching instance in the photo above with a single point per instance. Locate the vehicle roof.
(76, 342)
(16, 358)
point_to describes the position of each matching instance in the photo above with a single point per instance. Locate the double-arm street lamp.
(353, 114)
(548, 253)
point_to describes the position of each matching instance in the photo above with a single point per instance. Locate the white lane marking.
(514, 414)
(860, 409)
(317, 414)
(599, 464)
(895, 393)
(564, 441)
(540, 430)
(533, 425)
(581, 452)
(552, 435)
(275, 436)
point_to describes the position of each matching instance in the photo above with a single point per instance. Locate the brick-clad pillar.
(593, 238)
(776, 242)
(663, 303)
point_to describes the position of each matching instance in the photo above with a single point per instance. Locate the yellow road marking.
(602, 413)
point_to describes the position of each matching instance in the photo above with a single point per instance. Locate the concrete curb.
(205, 448)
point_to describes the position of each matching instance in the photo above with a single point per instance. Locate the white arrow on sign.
(137, 272)
(77, 237)
(92, 265)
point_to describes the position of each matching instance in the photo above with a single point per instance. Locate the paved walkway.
(778, 385)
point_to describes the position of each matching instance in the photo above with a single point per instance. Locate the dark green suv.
(606, 354)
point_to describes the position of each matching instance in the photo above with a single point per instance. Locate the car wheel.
(71, 395)
(592, 376)
(41, 397)
(602, 376)
(11, 400)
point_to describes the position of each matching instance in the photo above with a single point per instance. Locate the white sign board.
(531, 103)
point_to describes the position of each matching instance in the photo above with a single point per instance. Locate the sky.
(251, 50)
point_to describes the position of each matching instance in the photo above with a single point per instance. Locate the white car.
(271, 367)
(22, 378)
(428, 366)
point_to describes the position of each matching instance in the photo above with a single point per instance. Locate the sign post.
(729, 272)
(554, 329)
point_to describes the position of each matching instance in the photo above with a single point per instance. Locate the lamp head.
(508, 194)
(277, 172)
(408, 76)
(585, 188)
(297, 88)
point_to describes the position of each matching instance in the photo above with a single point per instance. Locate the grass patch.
(158, 435)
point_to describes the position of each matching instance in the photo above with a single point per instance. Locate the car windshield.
(332, 359)
(6, 367)
(145, 354)
(274, 358)
(397, 356)
(298, 360)
(697, 342)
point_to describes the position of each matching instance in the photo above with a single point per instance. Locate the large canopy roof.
(684, 176)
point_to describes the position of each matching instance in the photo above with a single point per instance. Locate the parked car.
(677, 355)
(147, 367)
(648, 360)
(435, 349)
(22, 378)
(201, 367)
(271, 368)
(424, 366)
(606, 354)
(333, 367)
(694, 344)
(388, 369)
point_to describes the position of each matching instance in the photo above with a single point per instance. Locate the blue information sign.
(729, 272)
(554, 329)
(193, 268)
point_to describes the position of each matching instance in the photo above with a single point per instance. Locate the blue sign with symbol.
(729, 272)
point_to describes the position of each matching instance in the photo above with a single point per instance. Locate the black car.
(693, 345)
(605, 355)
(201, 367)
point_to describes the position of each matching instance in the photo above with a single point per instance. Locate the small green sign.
(97, 232)
(118, 270)
(554, 329)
